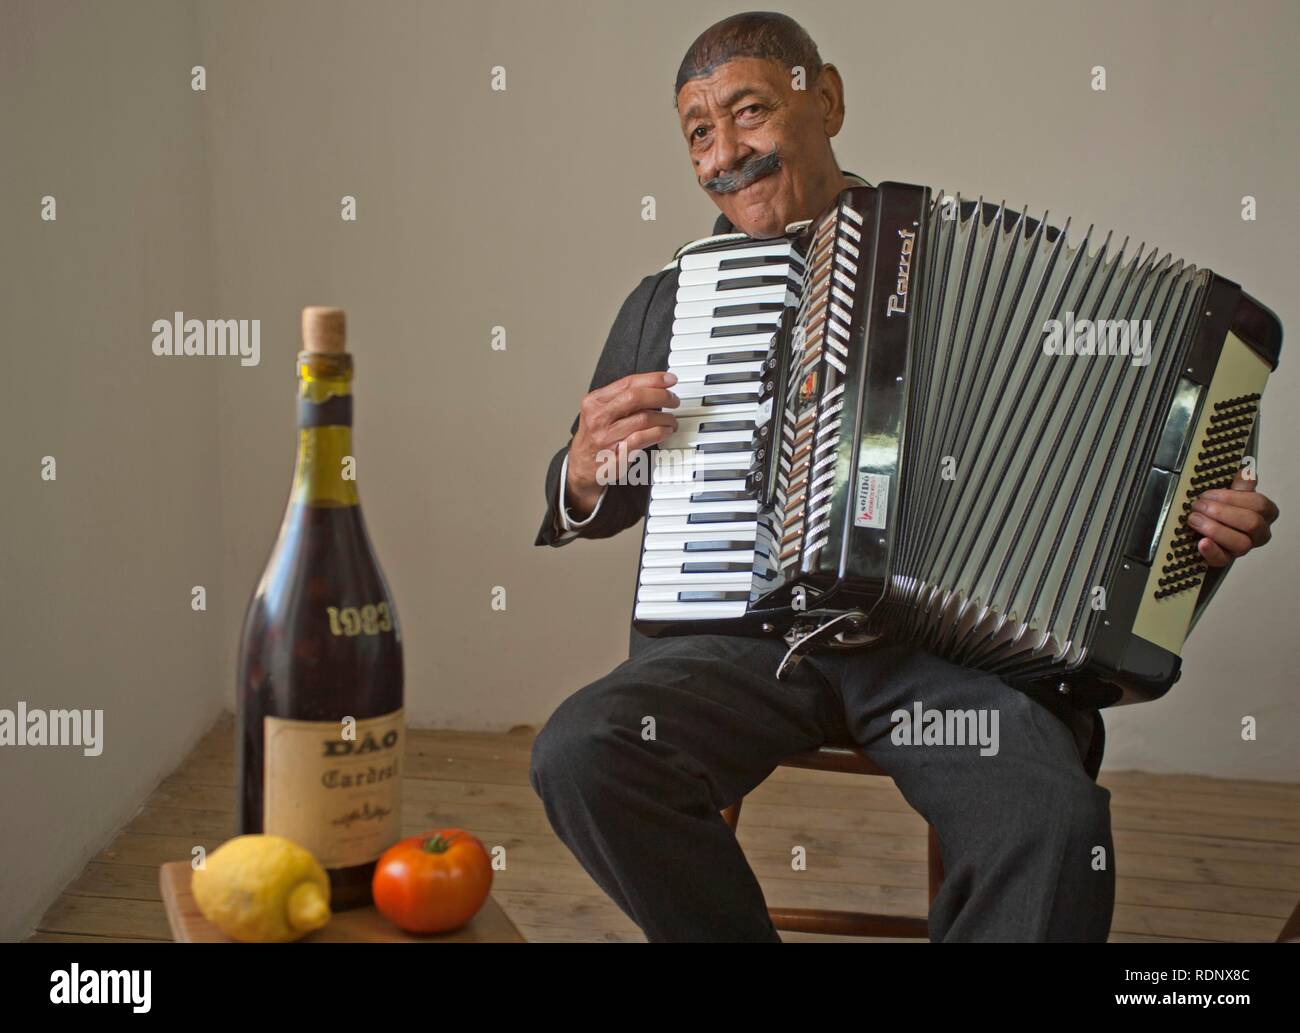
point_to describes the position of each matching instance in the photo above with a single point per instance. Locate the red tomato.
(433, 883)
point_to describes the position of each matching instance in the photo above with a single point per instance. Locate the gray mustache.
(750, 172)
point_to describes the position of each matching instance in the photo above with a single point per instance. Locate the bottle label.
(334, 789)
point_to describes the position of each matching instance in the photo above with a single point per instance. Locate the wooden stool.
(847, 923)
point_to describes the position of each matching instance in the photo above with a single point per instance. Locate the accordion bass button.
(1063, 688)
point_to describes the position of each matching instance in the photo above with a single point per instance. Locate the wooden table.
(360, 925)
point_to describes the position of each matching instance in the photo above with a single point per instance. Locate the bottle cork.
(324, 330)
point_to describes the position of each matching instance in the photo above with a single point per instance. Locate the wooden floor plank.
(124, 881)
(1288, 791)
(87, 938)
(569, 934)
(104, 916)
(1202, 925)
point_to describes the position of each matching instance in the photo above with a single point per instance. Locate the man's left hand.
(1233, 520)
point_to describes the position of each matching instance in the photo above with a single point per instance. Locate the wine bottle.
(320, 723)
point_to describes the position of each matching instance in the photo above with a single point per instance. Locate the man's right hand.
(622, 413)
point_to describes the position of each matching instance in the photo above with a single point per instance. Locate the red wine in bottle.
(320, 727)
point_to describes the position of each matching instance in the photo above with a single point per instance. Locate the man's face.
(742, 111)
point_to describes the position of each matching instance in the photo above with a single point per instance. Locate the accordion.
(926, 420)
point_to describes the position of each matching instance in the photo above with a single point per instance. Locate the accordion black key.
(918, 419)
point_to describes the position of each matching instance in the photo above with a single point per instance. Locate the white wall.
(97, 565)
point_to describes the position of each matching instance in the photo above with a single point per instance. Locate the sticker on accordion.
(872, 500)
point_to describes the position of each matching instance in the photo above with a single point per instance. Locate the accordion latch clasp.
(845, 631)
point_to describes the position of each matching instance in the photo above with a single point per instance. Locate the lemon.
(262, 889)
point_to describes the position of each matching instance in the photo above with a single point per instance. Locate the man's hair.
(764, 34)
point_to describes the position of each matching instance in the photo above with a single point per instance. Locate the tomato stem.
(437, 844)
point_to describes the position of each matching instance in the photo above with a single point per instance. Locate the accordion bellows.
(943, 422)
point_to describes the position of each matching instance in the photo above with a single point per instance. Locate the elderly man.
(1020, 829)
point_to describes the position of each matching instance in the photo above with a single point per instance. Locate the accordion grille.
(813, 407)
(1038, 368)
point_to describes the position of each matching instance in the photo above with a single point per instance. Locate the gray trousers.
(634, 769)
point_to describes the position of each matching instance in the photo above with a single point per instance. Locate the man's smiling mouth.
(743, 193)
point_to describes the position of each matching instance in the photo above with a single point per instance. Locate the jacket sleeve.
(623, 504)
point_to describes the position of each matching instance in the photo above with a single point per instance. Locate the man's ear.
(830, 99)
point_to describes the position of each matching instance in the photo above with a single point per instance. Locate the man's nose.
(729, 152)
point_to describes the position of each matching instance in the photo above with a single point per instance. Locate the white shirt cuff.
(568, 523)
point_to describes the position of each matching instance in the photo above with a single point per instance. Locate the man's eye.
(699, 133)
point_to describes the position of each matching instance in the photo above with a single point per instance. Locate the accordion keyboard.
(698, 552)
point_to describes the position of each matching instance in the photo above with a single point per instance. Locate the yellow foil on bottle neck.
(324, 376)
(326, 469)
(322, 389)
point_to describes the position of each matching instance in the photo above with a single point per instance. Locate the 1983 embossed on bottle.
(320, 729)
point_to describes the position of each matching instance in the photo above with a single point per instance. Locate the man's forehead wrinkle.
(764, 65)
(696, 109)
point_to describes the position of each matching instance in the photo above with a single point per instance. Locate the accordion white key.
(939, 422)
